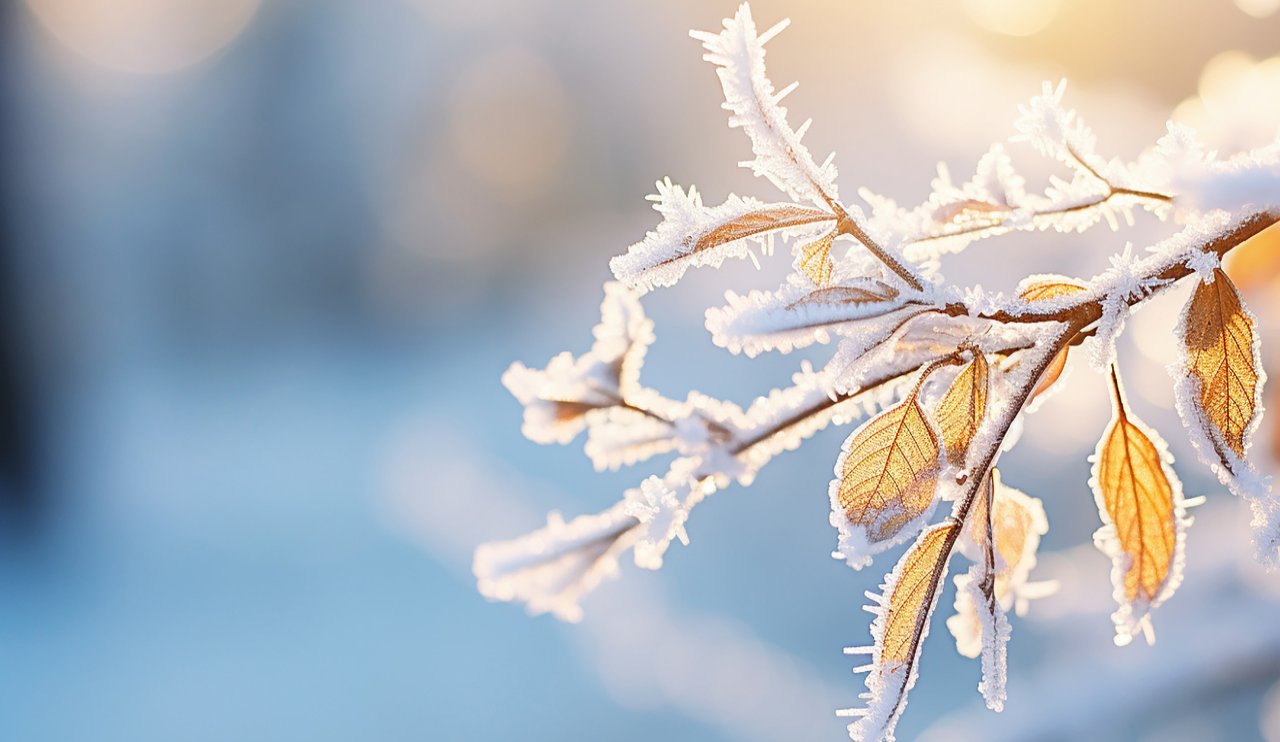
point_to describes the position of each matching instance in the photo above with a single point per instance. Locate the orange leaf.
(1051, 374)
(1140, 501)
(1219, 336)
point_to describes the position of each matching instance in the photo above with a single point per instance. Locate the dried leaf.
(888, 471)
(1015, 526)
(902, 622)
(758, 222)
(1051, 374)
(918, 579)
(1219, 334)
(815, 259)
(863, 291)
(962, 408)
(1050, 287)
(1140, 501)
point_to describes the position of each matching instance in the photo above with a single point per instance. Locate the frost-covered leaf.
(563, 398)
(1015, 526)
(738, 53)
(1048, 287)
(1218, 382)
(902, 615)
(1220, 347)
(956, 215)
(797, 315)
(624, 436)
(885, 482)
(962, 408)
(814, 259)
(553, 568)
(692, 234)
(981, 627)
(1143, 514)
(1001, 535)
(862, 291)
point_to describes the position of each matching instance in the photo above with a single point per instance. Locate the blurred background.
(264, 261)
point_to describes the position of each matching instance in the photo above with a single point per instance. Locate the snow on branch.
(942, 373)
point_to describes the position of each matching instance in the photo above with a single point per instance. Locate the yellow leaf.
(1219, 334)
(918, 576)
(1140, 501)
(815, 259)
(888, 471)
(758, 222)
(1050, 287)
(904, 610)
(962, 408)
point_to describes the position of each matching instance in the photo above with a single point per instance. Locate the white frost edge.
(1132, 617)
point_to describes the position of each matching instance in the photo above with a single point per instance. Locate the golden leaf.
(962, 408)
(889, 470)
(758, 222)
(1219, 334)
(903, 611)
(1140, 501)
(815, 259)
(1050, 287)
(914, 591)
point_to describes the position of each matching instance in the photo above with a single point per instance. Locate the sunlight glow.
(144, 36)
(1013, 17)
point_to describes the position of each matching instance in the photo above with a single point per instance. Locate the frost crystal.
(662, 513)
(738, 53)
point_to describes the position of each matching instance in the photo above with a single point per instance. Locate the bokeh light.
(144, 36)
(1012, 17)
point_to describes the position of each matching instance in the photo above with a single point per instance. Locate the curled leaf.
(1220, 339)
(1143, 514)
(962, 408)
(886, 476)
(1047, 288)
(1051, 374)
(1002, 534)
(903, 611)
